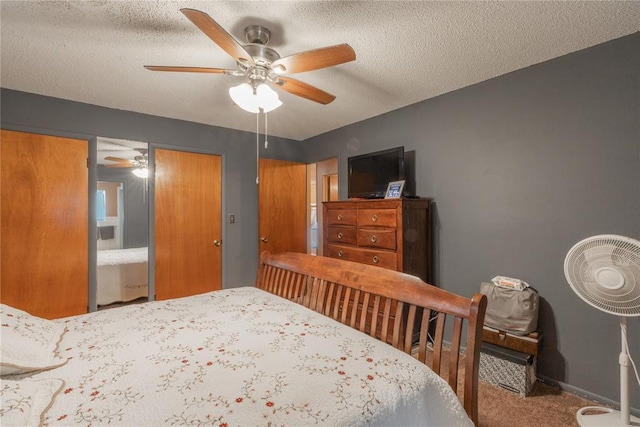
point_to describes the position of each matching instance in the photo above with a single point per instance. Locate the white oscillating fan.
(604, 271)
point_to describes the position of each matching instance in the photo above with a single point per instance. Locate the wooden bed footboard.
(409, 314)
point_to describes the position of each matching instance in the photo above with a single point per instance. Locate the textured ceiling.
(94, 52)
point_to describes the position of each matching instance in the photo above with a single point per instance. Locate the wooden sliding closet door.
(188, 225)
(44, 224)
(282, 205)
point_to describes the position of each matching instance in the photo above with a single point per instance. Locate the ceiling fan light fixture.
(252, 101)
(141, 172)
(268, 99)
(243, 97)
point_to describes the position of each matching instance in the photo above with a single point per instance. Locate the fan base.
(603, 417)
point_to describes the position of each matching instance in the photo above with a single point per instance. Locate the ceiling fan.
(259, 63)
(140, 161)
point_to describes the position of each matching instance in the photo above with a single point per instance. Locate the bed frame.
(410, 314)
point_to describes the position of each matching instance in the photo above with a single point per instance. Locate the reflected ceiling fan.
(141, 161)
(260, 64)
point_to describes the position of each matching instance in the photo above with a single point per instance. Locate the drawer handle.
(340, 253)
(374, 217)
(339, 217)
(374, 239)
(340, 235)
(375, 259)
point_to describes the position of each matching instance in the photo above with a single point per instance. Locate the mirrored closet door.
(122, 222)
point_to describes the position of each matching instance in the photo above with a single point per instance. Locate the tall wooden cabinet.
(390, 233)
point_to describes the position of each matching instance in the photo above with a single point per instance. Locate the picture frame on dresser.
(394, 190)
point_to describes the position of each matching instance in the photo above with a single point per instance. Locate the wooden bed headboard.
(410, 316)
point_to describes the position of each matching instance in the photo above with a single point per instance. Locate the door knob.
(217, 242)
(264, 239)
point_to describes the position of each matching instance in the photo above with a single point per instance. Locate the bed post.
(472, 364)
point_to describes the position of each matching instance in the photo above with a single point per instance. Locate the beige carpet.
(544, 407)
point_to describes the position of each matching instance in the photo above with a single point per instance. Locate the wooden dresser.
(390, 233)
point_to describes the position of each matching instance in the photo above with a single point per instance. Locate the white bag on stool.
(512, 305)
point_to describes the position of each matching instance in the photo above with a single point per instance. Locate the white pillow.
(29, 343)
(25, 402)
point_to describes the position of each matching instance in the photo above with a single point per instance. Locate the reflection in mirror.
(122, 215)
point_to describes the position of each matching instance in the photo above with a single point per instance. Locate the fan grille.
(605, 272)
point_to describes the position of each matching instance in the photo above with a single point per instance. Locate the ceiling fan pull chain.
(266, 131)
(258, 148)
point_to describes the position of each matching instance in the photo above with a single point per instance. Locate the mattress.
(238, 356)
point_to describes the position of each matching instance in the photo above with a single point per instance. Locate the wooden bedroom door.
(44, 230)
(282, 205)
(188, 226)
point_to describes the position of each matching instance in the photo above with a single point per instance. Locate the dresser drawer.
(380, 258)
(384, 238)
(377, 218)
(343, 252)
(344, 235)
(364, 256)
(341, 216)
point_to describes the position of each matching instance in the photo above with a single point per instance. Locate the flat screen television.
(370, 174)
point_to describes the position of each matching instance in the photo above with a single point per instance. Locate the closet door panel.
(187, 223)
(44, 224)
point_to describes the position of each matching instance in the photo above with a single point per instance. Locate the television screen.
(370, 174)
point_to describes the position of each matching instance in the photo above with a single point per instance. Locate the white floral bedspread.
(122, 256)
(238, 357)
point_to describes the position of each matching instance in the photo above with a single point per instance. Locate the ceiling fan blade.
(117, 159)
(314, 59)
(219, 35)
(188, 69)
(305, 90)
(120, 165)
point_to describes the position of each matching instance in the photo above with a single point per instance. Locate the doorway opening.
(322, 186)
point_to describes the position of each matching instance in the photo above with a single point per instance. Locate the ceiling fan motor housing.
(262, 55)
(257, 34)
(257, 38)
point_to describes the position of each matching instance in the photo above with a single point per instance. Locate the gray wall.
(40, 114)
(521, 167)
